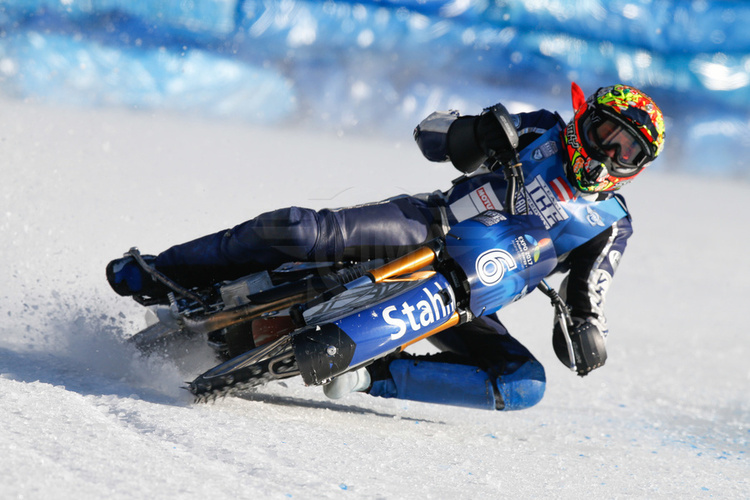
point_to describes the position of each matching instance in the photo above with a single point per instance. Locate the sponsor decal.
(599, 284)
(431, 309)
(528, 249)
(476, 202)
(546, 150)
(543, 203)
(484, 199)
(562, 189)
(491, 266)
(571, 136)
(594, 218)
(614, 259)
(490, 218)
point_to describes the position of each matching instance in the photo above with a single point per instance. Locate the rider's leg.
(481, 366)
(385, 229)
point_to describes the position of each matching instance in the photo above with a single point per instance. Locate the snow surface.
(83, 416)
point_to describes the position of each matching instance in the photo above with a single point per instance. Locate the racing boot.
(127, 278)
(346, 383)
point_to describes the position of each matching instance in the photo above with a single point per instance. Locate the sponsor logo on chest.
(542, 202)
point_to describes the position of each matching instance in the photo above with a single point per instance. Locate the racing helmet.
(613, 136)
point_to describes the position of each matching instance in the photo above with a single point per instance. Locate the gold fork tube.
(409, 263)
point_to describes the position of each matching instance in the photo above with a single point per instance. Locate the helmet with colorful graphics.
(614, 134)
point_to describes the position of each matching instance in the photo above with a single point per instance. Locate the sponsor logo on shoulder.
(546, 150)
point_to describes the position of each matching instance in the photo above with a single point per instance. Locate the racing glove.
(431, 134)
(589, 345)
(474, 139)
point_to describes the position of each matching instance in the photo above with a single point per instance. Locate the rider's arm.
(466, 141)
(592, 266)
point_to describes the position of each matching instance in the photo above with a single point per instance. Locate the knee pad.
(439, 383)
(462, 385)
(522, 388)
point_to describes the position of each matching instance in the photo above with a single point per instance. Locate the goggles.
(623, 152)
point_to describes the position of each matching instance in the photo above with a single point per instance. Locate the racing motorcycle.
(321, 320)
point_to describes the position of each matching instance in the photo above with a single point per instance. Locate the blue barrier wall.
(380, 66)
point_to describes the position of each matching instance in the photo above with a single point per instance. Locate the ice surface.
(85, 417)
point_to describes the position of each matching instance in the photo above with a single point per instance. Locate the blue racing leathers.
(589, 234)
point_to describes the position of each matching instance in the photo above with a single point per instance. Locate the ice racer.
(572, 172)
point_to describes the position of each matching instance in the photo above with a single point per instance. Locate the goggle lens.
(624, 153)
